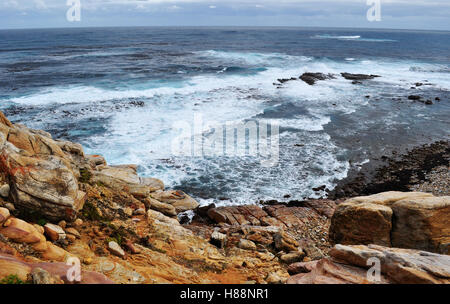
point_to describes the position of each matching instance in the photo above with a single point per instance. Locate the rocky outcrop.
(176, 198)
(46, 273)
(406, 220)
(358, 77)
(39, 172)
(311, 78)
(350, 264)
(125, 178)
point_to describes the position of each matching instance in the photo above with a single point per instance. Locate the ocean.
(120, 92)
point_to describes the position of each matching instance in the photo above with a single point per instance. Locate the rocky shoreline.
(422, 168)
(59, 205)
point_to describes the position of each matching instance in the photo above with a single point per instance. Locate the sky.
(397, 14)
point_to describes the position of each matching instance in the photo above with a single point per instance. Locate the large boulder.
(125, 178)
(39, 172)
(406, 220)
(351, 264)
(422, 223)
(14, 265)
(178, 199)
(362, 223)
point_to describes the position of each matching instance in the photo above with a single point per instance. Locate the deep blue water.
(120, 91)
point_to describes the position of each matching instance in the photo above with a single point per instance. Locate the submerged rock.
(358, 77)
(311, 78)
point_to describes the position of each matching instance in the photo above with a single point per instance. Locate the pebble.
(115, 249)
(4, 191)
(78, 222)
(139, 211)
(54, 232)
(246, 244)
(10, 207)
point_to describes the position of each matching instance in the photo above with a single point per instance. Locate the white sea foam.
(143, 135)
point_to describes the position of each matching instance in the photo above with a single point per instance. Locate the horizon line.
(221, 26)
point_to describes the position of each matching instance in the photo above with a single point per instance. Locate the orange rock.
(40, 246)
(54, 253)
(4, 215)
(11, 265)
(20, 231)
(54, 232)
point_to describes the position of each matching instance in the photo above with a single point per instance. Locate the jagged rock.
(407, 220)
(246, 244)
(238, 215)
(164, 208)
(285, 242)
(302, 267)
(311, 78)
(54, 232)
(218, 239)
(4, 191)
(139, 211)
(4, 215)
(292, 257)
(178, 199)
(125, 178)
(96, 160)
(40, 173)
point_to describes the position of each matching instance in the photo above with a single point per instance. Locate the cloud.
(418, 13)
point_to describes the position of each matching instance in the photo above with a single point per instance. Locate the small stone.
(54, 232)
(218, 239)
(115, 249)
(292, 257)
(10, 207)
(97, 231)
(87, 261)
(273, 278)
(62, 224)
(139, 211)
(41, 276)
(74, 232)
(71, 237)
(4, 215)
(246, 244)
(78, 222)
(128, 211)
(39, 228)
(132, 248)
(4, 191)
